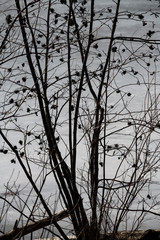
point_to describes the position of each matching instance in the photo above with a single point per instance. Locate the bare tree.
(79, 97)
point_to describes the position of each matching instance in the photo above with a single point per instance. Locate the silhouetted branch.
(31, 227)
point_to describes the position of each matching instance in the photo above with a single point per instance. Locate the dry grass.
(123, 235)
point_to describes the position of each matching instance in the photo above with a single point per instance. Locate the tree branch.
(24, 230)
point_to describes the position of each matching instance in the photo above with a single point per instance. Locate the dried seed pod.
(9, 19)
